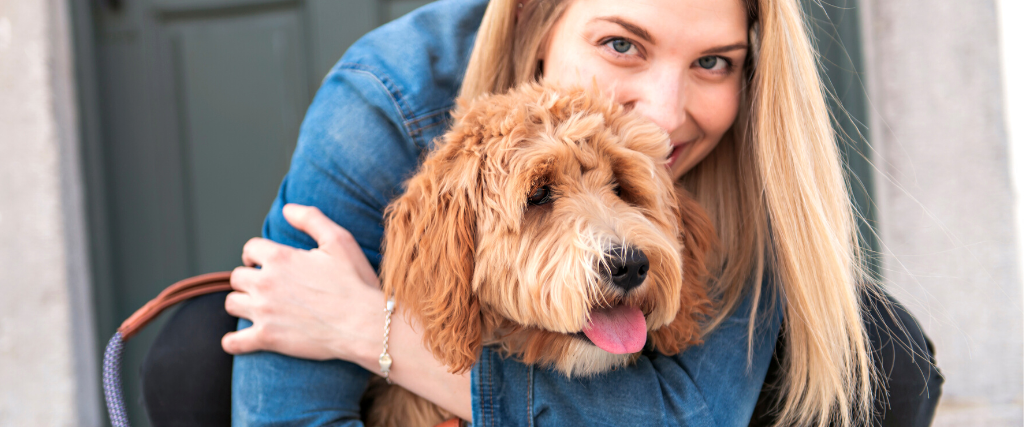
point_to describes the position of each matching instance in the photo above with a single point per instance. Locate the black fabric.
(186, 376)
(909, 384)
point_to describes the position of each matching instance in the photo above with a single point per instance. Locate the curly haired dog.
(545, 223)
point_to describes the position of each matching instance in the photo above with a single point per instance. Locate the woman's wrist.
(366, 348)
(415, 368)
(369, 351)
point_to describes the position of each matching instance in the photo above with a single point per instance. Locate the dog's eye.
(540, 196)
(618, 190)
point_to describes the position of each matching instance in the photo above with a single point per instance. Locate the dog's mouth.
(620, 329)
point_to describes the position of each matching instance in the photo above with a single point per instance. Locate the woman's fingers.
(244, 278)
(258, 252)
(240, 342)
(239, 304)
(313, 222)
(330, 237)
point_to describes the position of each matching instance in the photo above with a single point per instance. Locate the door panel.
(195, 7)
(330, 35)
(243, 89)
(397, 8)
(143, 180)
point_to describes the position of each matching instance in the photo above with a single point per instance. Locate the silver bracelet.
(385, 358)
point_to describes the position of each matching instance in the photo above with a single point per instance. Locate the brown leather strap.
(454, 422)
(178, 292)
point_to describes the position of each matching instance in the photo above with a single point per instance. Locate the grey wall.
(944, 195)
(47, 363)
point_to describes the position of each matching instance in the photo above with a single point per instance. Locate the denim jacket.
(375, 114)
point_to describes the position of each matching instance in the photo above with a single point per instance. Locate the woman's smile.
(678, 149)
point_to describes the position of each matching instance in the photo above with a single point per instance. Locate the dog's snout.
(626, 267)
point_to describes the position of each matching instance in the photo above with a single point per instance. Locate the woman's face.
(677, 62)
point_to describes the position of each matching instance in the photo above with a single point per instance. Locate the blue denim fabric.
(707, 385)
(375, 114)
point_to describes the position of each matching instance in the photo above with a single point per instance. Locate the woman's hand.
(320, 304)
(326, 303)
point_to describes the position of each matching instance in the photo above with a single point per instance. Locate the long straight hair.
(775, 190)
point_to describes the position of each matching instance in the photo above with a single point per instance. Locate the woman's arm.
(352, 156)
(332, 310)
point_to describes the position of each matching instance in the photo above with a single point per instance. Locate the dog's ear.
(699, 239)
(428, 255)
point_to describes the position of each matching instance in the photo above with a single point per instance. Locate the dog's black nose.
(627, 267)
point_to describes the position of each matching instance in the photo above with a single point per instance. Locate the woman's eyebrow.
(723, 49)
(629, 26)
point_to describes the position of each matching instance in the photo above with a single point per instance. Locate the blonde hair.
(775, 190)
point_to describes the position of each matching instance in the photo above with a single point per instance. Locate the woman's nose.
(663, 101)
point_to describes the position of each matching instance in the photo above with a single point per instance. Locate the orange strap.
(178, 292)
(454, 422)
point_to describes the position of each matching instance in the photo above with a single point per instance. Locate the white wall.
(951, 248)
(47, 357)
(1011, 37)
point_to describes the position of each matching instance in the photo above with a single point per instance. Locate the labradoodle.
(544, 224)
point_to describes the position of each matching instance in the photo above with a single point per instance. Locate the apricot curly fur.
(475, 264)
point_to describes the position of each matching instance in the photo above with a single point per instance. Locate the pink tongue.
(617, 330)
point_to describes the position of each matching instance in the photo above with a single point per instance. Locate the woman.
(734, 84)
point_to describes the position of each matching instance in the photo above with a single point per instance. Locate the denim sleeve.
(351, 159)
(708, 385)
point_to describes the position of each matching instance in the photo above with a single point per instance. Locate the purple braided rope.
(112, 381)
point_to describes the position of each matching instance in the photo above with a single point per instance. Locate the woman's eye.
(540, 196)
(621, 46)
(712, 63)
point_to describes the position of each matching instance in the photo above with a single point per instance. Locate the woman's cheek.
(717, 109)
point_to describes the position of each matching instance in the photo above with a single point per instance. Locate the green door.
(200, 104)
